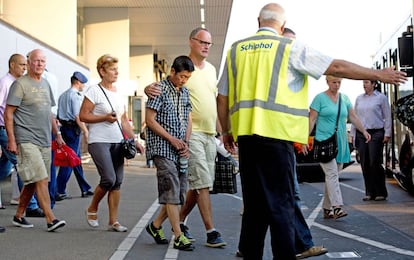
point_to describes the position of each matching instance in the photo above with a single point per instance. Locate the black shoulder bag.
(128, 148)
(324, 151)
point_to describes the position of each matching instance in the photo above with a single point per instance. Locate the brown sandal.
(328, 213)
(339, 213)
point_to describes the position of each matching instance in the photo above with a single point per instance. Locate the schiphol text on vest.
(260, 45)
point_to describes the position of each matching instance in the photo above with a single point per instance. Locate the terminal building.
(145, 35)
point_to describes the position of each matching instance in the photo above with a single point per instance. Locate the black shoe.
(55, 224)
(214, 239)
(184, 229)
(157, 234)
(186, 233)
(87, 193)
(21, 222)
(239, 253)
(2, 229)
(35, 213)
(61, 197)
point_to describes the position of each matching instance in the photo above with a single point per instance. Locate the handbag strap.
(120, 128)
(339, 112)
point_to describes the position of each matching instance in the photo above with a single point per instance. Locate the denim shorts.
(33, 162)
(172, 186)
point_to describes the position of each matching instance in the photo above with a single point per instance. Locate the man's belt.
(68, 123)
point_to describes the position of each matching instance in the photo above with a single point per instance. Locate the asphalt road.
(372, 230)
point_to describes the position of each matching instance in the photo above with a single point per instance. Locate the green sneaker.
(182, 243)
(157, 234)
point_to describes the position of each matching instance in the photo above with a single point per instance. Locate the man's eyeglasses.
(208, 44)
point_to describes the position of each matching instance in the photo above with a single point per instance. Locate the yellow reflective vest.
(260, 100)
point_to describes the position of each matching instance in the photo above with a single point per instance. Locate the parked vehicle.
(405, 176)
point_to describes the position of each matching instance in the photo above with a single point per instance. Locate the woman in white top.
(100, 110)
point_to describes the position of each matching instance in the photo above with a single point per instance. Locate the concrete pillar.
(141, 66)
(141, 70)
(107, 32)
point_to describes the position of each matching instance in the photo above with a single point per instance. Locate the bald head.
(272, 15)
(15, 58)
(17, 65)
(35, 53)
(37, 63)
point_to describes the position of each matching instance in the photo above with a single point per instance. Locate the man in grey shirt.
(28, 122)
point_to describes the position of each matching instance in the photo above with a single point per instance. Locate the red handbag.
(65, 156)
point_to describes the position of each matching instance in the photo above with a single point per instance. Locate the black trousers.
(371, 158)
(266, 170)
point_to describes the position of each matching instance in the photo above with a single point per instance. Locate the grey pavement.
(372, 230)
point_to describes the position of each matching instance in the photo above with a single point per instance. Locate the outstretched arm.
(346, 69)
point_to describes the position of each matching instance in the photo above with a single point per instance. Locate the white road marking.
(172, 254)
(129, 241)
(132, 237)
(311, 222)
